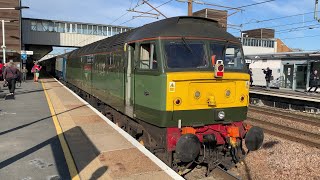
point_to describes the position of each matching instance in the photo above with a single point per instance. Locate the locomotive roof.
(182, 26)
(186, 26)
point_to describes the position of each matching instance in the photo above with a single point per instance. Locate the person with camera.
(250, 73)
(314, 80)
(10, 76)
(268, 77)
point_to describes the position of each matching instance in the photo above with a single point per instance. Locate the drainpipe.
(294, 83)
(308, 74)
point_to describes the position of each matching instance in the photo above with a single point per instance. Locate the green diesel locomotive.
(179, 86)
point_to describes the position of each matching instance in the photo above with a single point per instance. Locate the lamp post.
(15, 8)
(3, 43)
(4, 39)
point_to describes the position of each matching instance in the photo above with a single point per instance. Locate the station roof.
(301, 55)
(71, 22)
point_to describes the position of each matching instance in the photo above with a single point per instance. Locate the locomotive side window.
(234, 58)
(148, 58)
(185, 54)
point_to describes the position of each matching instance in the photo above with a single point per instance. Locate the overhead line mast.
(316, 11)
(190, 7)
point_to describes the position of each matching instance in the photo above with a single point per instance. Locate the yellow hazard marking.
(67, 154)
(172, 87)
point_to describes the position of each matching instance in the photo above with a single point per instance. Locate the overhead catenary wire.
(299, 37)
(283, 17)
(145, 13)
(282, 25)
(301, 28)
(298, 30)
(137, 5)
(254, 4)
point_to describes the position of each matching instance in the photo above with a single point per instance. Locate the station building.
(290, 70)
(12, 25)
(262, 41)
(37, 37)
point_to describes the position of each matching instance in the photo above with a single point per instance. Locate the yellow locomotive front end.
(208, 95)
(192, 91)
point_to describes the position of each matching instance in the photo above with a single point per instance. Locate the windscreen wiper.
(186, 44)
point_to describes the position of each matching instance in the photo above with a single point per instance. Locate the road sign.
(24, 56)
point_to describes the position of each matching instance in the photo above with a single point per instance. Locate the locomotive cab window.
(148, 58)
(185, 54)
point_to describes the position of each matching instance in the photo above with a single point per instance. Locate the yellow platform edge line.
(67, 154)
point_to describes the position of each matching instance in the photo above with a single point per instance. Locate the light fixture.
(221, 115)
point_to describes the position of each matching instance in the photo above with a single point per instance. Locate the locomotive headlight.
(177, 101)
(197, 95)
(242, 98)
(228, 93)
(221, 115)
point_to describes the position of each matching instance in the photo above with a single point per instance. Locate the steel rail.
(289, 116)
(292, 134)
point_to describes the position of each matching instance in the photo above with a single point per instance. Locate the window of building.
(79, 28)
(110, 29)
(105, 31)
(33, 25)
(90, 29)
(95, 30)
(84, 29)
(99, 30)
(272, 44)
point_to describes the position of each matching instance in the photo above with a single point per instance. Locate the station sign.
(27, 52)
(24, 56)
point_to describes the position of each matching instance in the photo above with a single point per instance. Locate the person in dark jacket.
(314, 81)
(268, 73)
(250, 73)
(1, 72)
(10, 75)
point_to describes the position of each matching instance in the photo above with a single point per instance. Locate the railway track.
(293, 117)
(296, 135)
(215, 174)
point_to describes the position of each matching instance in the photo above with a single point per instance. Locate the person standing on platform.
(314, 81)
(1, 67)
(250, 73)
(24, 72)
(268, 73)
(36, 70)
(1, 72)
(10, 75)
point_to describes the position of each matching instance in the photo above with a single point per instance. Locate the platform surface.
(99, 151)
(290, 94)
(29, 140)
(29, 146)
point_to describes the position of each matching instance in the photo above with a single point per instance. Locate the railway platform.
(306, 101)
(48, 129)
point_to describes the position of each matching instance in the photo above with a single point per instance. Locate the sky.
(299, 31)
